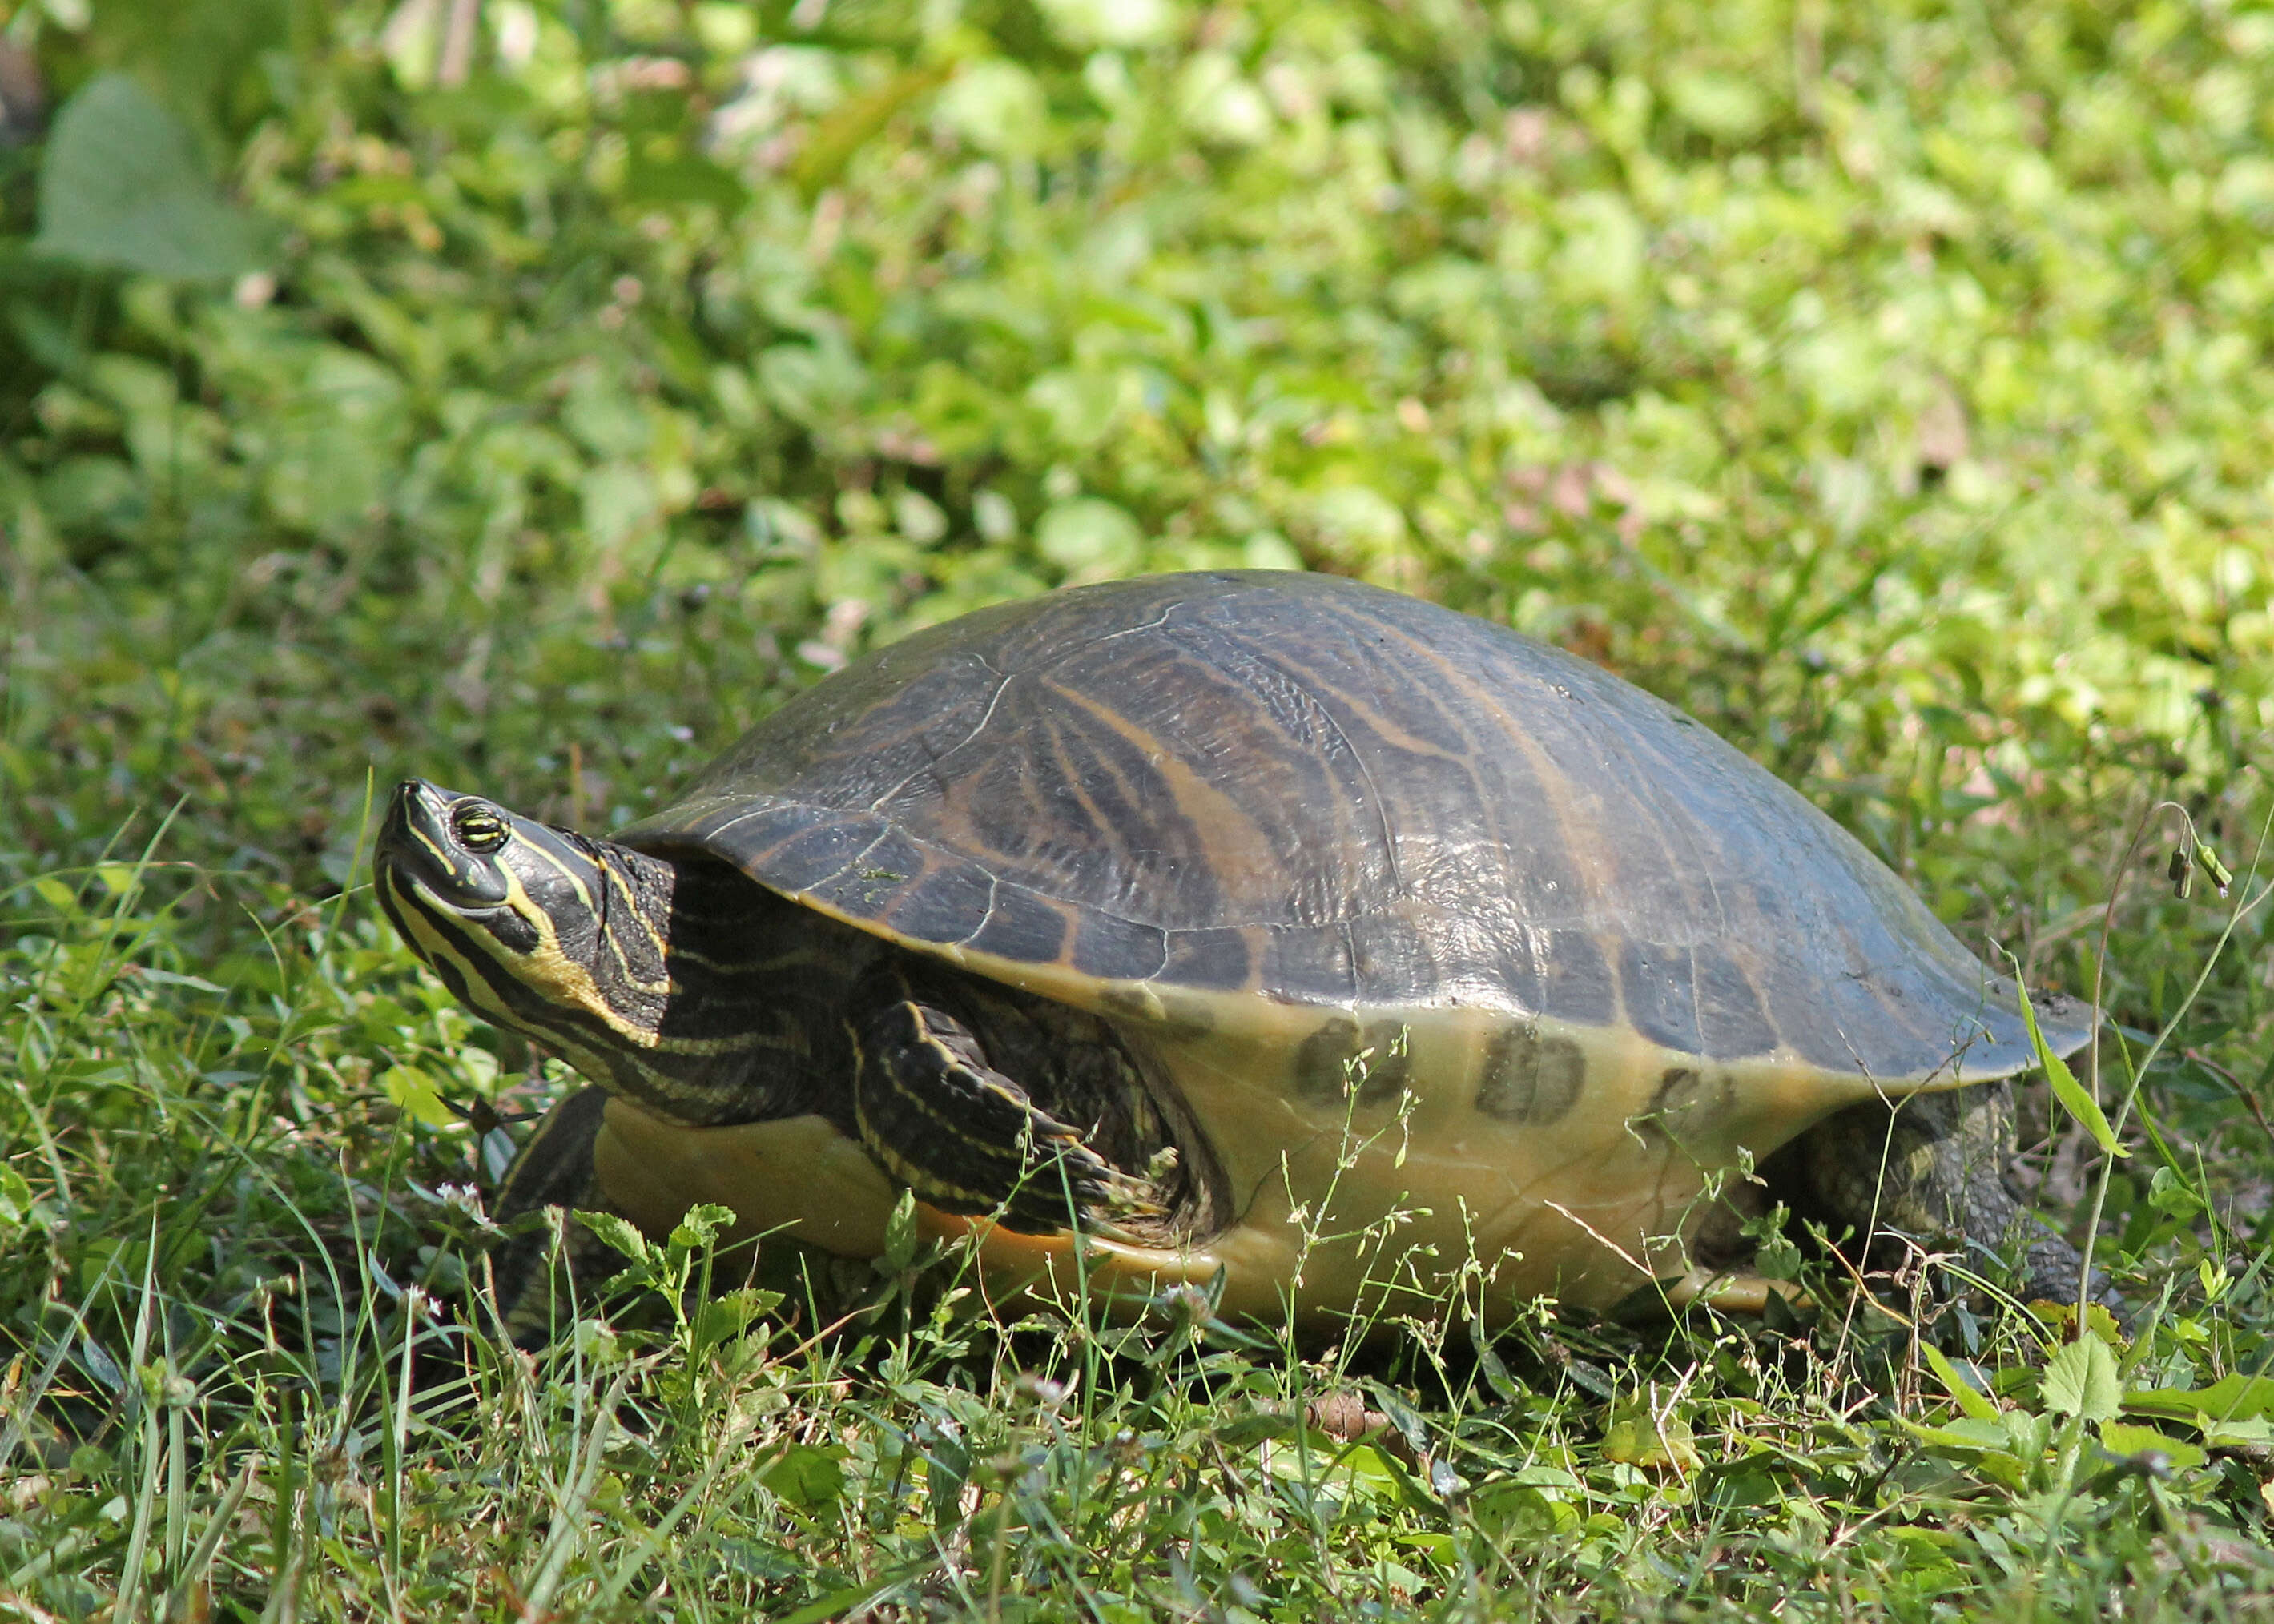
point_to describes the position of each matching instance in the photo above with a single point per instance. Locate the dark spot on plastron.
(1385, 1065)
(1684, 1096)
(1337, 1057)
(1323, 1060)
(1675, 1089)
(1673, 1086)
(1186, 1019)
(1530, 1078)
(1126, 1001)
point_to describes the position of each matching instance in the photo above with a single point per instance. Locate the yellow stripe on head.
(564, 939)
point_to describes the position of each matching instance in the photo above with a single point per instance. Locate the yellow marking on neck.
(545, 969)
(591, 905)
(438, 944)
(445, 935)
(615, 883)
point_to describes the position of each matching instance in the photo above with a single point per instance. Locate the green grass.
(1887, 386)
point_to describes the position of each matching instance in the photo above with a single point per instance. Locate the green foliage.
(120, 191)
(531, 407)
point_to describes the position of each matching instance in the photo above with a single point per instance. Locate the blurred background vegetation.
(531, 393)
(449, 384)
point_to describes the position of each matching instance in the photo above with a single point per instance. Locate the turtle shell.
(1208, 800)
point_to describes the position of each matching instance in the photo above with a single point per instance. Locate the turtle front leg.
(535, 1285)
(965, 1136)
(1934, 1166)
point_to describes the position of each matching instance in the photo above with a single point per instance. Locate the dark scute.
(1579, 988)
(1729, 1015)
(880, 867)
(1672, 1087)
(1531, 1079)
(1118, 948)
(1096, 799)
(1023, 928)
(1396, 960)
(946, 905)
(1660, 1002)
(1310, 965)
(1848, 1026)
(1524, 969)
(817, 853)
(1216, 961)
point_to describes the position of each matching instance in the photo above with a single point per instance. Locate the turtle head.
(557, 936)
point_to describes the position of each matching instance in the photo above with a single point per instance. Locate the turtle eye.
(480, 829)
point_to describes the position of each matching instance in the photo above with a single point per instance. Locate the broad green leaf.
(618, 1233)
(2122, 1438)
(15, 1197)
(2170, 1194)
(698, 1226)
(1638, 1436)
(1970, 1398)
(2257, 1434)
(2066, 1089)
(997, 107)
(808, 1478)
(414, 1094)
(121, 189)
(1081, 405)
(1115, 23)
(1967, 1432)
(2230, 1398)
(1726, 106)
(900, 1234)
(1522, 1511)
(729, 1315)
(2080, 1381)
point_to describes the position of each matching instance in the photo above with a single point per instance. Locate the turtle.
(1264, 933)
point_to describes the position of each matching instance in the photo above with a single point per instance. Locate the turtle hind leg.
(535, 1285)
(1933, 1166)
(967, 1138)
